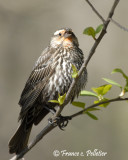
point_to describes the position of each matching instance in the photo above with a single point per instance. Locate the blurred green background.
(25, 30)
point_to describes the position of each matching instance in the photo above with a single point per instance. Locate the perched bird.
(51, 75)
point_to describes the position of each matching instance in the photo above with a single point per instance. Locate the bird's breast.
(61, 79)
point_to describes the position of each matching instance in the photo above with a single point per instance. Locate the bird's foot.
(61, 121)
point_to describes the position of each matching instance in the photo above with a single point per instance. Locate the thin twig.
(97, 104)
(119, 25)
(49, 127)
(97, 13)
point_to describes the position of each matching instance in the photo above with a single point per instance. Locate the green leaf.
(53, 101)
(74, 68)
(74, 75)
(87, 93)
(126, 88)
(61, 99)
(106, 88)
(78, 104)
(91, 115)
(120, 71)
(92, 109)
(102, 90)
(90, 31)
(97, 90)
(99, 28)
(75, 72)
(126, 78)
(103, 100)
(112, 82)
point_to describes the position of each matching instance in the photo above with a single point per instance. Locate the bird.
(50, 76)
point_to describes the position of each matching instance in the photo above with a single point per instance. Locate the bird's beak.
(66, 35)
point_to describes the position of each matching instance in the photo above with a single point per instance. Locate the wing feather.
(42, 70)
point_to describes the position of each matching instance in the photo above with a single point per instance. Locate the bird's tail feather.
(40, 116)
(20, 139)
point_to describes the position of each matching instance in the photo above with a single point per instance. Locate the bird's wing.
(42, 70)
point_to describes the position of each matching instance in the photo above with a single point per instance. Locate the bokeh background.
(25, 30)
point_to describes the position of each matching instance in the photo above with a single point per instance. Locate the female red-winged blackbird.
(51, 75)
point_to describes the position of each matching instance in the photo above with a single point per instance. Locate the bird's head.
(65, 38)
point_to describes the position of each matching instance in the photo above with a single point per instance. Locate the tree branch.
(50, 126)
(46, 130)
(97, 104)
(119, 25)
(97, 13)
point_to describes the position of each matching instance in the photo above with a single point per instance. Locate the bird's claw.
(61, 121)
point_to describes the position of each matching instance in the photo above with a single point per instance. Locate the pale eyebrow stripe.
(57, 32)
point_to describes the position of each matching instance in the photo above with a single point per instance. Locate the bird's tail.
(20, 139)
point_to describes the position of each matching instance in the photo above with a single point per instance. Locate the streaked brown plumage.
(51, 75)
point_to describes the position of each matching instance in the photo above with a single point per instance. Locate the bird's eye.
(60, 34)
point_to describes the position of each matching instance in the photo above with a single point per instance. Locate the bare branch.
(49, 127)
(119, 25)
(97, 13)
(97, 104)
